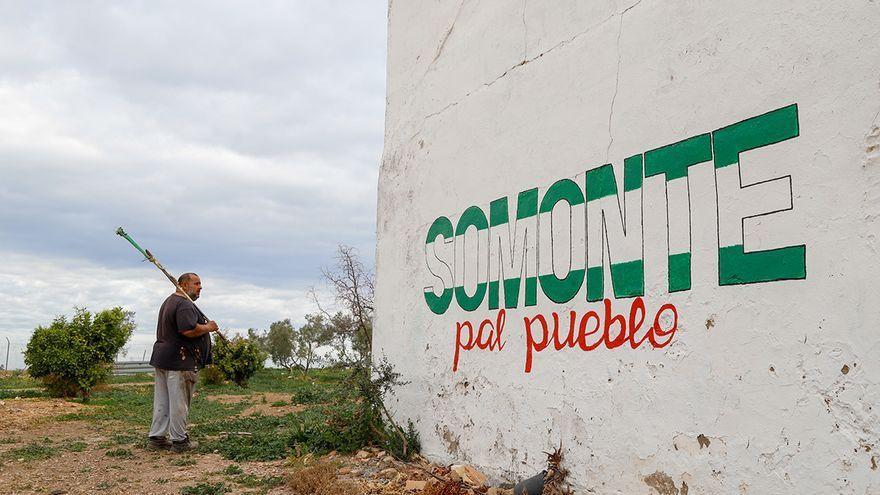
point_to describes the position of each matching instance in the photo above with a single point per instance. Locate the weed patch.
(32, 452)
(183, 461)
(17, 379)
(119, 453)
(205, 489)
(74, 446)
(336, 427)
(233, 469)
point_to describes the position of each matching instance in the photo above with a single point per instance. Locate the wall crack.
(526, 61)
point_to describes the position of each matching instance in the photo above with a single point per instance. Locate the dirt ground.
(88, 457)
(91, 469)
(262, 403)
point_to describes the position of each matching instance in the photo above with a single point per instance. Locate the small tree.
(293, 348)
(280, 344)
(72, 356)
(259, 338)
(238, 359)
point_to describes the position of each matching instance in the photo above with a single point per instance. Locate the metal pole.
(7, 354)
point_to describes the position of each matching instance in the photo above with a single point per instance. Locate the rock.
(388, 473)
(415, 486)
(345, 470)
(498, 491)
(388, 459)
(469, 475)
(362, 454)
(356, 472)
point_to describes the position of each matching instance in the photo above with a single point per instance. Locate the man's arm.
(200, 329)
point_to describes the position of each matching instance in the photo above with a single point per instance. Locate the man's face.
(192, 287)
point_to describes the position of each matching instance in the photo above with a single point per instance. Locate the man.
(183, 346)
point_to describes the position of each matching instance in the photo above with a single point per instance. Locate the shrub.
(321, 479)
(238, 359)
(310, 393)
(340, 427)
(72, 356)
(212, 376)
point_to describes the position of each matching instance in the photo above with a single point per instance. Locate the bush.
(340, 427)
(72, 356)
(310, 393)
(212, 376)
(238, 359)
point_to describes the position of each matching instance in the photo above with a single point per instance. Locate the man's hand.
(201, 329)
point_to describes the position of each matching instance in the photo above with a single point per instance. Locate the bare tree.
(353, 287)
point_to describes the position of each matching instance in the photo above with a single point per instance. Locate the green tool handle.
(152, 259)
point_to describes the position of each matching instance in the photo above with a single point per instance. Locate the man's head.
(191, 284)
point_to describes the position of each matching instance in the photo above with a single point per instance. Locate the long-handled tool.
(152, 259)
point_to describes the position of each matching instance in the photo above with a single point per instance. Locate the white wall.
(769, 383)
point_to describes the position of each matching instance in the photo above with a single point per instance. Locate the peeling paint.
(664, 485)
(872, 147)
(703, 441)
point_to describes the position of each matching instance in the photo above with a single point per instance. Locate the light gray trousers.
(172, 393)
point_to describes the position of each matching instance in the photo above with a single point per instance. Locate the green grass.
(6, 394)
(32, 452)
(74, 446)
(269, 437)
(135, 406)
(136, 378)
(320, 428)
(17, 379)
(233, 469)
(274, 380)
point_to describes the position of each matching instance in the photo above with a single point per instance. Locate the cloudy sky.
(241, 143)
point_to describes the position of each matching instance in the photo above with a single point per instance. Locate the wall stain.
(451, 441)
(664, 485)
(872, 147)
(704, 440)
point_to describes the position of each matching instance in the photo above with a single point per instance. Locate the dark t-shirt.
(173, 350)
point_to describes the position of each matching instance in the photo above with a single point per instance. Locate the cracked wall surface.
(766, 387)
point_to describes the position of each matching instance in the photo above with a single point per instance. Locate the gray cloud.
(239, 141)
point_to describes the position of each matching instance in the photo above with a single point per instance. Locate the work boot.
(158, 443)
(184, 445)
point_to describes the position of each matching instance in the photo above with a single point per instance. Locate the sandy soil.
(27, 421)
(83, 460)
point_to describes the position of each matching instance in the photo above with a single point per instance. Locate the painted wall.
(645, 229)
